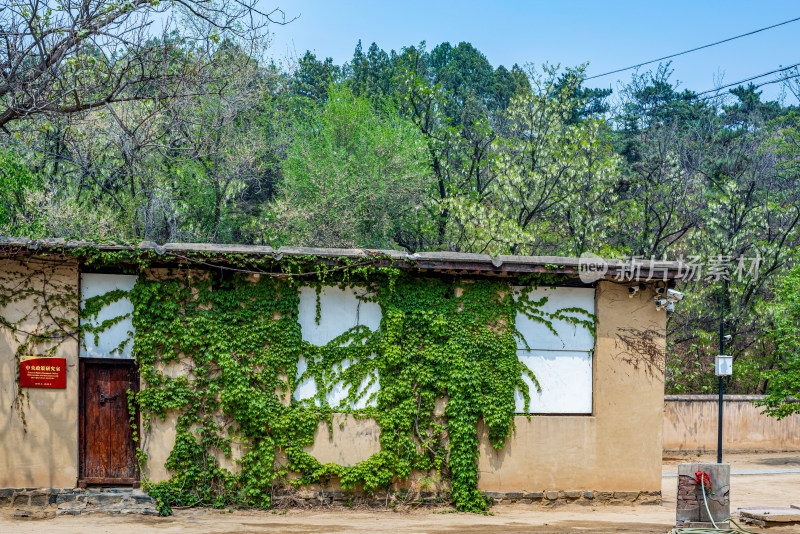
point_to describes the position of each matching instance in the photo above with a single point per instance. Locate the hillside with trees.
(193, 133)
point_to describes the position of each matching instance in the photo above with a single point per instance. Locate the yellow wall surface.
(690, 424)
(618, 447)
(46, 455)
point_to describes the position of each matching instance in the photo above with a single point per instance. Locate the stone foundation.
(46, 502)
(311, 498)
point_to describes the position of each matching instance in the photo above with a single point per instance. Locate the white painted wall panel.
(92, 285)
(562, 362)
(339, 393)
(307, 388)
(570, 337)
(340, 310)
(565, 378)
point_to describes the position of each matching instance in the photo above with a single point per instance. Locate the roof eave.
(429, 261)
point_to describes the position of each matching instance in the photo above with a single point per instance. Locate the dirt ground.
(780, 489)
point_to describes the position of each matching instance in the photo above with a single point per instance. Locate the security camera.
(659, 291)
(660, 303)
(727, 337)
(674, 295)
(632, 290)
(670, 307)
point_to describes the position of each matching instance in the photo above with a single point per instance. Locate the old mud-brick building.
(220, 374)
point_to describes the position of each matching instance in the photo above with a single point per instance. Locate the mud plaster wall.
(618, 447)
(690, 424)
(47, 454)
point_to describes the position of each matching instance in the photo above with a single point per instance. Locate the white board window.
(93, 285)
(340, 310)
(561, 361)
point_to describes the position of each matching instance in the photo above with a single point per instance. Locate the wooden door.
(107, 451)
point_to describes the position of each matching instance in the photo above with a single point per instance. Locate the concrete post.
(691, 511)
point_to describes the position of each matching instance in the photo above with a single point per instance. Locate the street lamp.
(723, 366)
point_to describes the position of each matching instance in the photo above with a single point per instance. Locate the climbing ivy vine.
(444, 357)
(439, 339)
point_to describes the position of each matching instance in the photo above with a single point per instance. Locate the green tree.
(783, 380)
(551, 184)
(372, 74)
(16, 182)
(468, 79)
(508, 84)
(746, 199)
(353, 177)
(313, 77)
(750, 107)
(67, 57)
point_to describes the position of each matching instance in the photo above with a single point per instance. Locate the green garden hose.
(692, 530)
(716, 530)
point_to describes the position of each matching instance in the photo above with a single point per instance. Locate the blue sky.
(608, 35)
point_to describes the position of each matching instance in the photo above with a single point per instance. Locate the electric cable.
(776, 80)
(783, 69)
(694, 49)
(713, 96)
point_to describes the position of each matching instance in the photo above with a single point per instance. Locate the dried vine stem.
(38, 307)
(642, 348)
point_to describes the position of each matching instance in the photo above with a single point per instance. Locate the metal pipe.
(721, 351)
(719, 424)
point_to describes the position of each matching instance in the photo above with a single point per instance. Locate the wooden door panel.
(121, 461)
(107, 448)
(96, 429)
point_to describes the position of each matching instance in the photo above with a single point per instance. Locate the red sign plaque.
(43, 373)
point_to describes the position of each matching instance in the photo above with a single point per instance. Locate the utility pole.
(721, 385)
(723, 366)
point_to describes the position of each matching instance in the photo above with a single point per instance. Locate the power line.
(693, 49)
(776, 80)
(711, 97)
(716, 89)
(751, 79)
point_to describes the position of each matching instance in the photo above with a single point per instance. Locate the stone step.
(771, 514)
